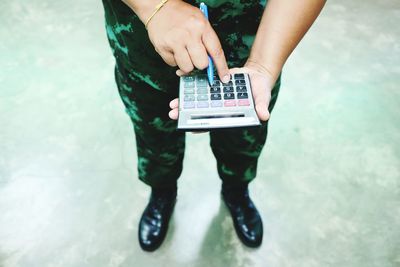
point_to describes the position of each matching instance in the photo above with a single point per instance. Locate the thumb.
(262, 111)
(261, 102)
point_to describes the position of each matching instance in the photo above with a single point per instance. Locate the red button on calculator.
(230, 103)
(243, 102)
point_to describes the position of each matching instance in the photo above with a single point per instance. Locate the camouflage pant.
(147, 85)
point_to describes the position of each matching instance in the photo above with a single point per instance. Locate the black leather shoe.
(154, 222)
(246, 219)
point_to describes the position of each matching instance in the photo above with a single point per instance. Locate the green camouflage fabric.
(146, 85)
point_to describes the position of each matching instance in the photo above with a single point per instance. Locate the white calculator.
(203, 106)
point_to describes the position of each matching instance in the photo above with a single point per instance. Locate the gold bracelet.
(157, 8)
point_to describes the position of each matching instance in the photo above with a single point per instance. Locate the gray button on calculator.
(188, 105)
(188, 84)
(202, 97)
(201, 83)
(202, 90)
(216, 104)
(202, 78)
(188, 78)
(189, 98)
(189, 90)
(202, 104)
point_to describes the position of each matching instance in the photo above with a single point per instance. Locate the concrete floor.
(328, 185)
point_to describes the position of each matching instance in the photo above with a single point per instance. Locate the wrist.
(144, 9)
(263, 68)
(141, 8)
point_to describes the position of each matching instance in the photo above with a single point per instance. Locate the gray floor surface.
(328, 185)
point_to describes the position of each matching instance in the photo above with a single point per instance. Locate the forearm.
(282, 26)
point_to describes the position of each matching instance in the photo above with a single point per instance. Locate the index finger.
(214, 49)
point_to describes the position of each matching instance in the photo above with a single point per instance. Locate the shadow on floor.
(221, 246)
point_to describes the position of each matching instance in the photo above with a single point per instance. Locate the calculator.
(220, 105)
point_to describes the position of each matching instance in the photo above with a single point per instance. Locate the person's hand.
(262, 83)
(182, 36)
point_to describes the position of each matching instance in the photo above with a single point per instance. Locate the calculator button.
(215, 96)
(216, 104)
(202, 104)
(201, 83)
(189, 98)
(189, 91)
(188, 84)
(216, 83)
(202, 97)
(188, 78)
(242, 95)
(202, 78)
(239, 76)
(243, 102)
(229, 96)
(241, 89)
(230, 103)
(230, 83)
(188, 105)
(240, 82)
(228, 89)
(215, 90)
(202, 90)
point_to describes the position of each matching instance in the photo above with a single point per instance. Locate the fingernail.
(226, 78)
